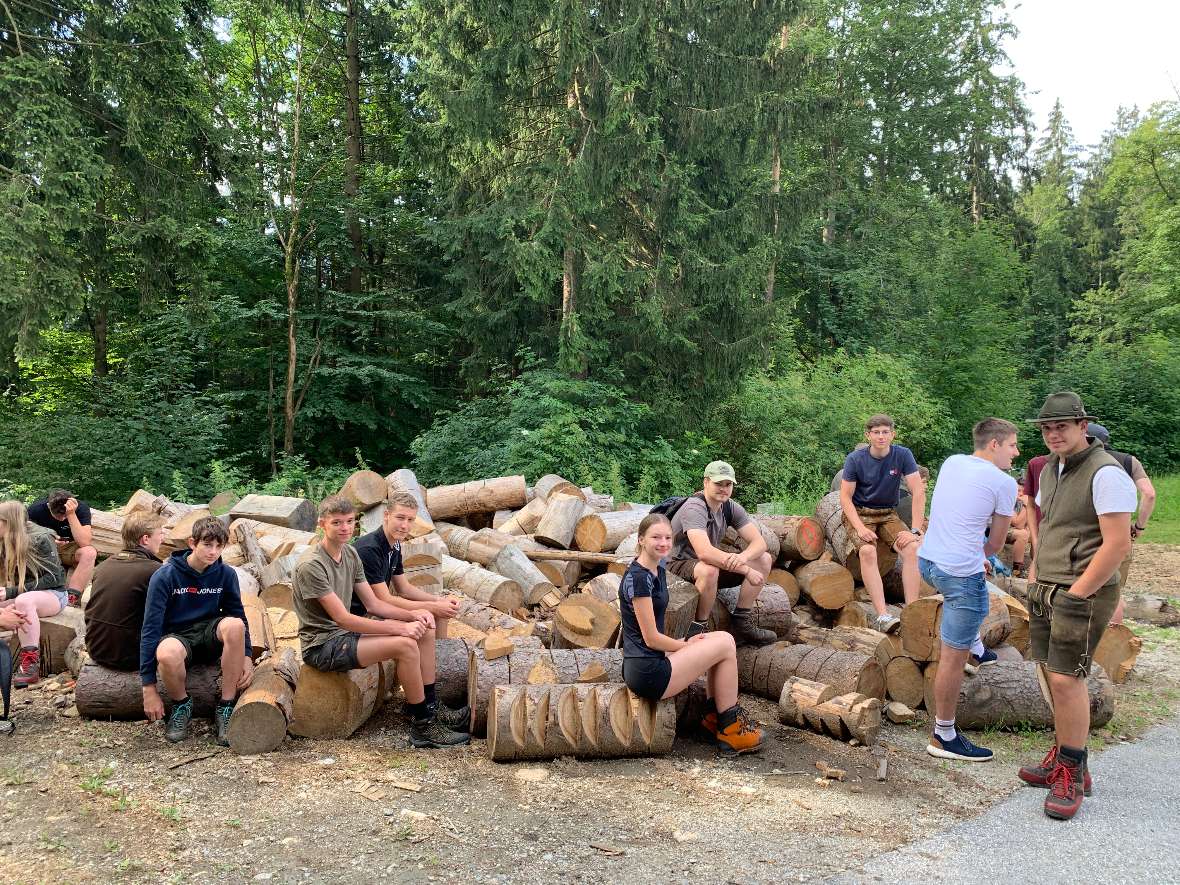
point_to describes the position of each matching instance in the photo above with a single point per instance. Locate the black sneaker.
(431, 734)
(221, 717)
(178, 722)
(456, 720)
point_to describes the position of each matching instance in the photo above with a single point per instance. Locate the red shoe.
(1065, 791)
(28, 671)
(1038, 775)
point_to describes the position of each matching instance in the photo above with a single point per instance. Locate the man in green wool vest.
(1086, 501)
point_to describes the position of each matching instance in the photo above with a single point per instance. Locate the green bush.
(590, 433)
(788, 433)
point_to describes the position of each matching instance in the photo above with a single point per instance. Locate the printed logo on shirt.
(203, 591)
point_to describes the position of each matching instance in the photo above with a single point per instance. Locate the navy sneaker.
(988, 657)
(960, 748)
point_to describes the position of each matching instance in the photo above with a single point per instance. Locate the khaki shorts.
(886, 523)
(1064, 630)
(68, 553)
(686, 569)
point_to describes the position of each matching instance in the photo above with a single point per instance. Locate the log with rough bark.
(480, 496)
(799, 695)
(605, 587)
(842, 638)
(291, 513)
(763, 671)
(1008, 695)
(584, 621)
(513, 564)
(404, 480)
(273, 540)
(486, 619)
(801, 538)
(118, 694)
(587, 721)
(683, 597)
(366, 489)
(248, 584)
(598, 501)
(57, 632)
(860, 613)
(828, 584)
(334, 705)
(263, 711)
(481, 585)
(452, 658)
(1162, 611)
(846, 717)
(551, 484)
(262, 638)
(529, 666)
(500, 517)
(771, 610)
(526, 520)
(921, 619)
(831, 518)
(604, 532)
(560, 520)
(904, 681)
(1117, 651)
(76, 655)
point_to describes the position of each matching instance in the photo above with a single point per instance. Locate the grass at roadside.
(1164, 526)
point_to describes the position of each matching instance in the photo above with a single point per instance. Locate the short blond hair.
(137, 524)
(400, 499)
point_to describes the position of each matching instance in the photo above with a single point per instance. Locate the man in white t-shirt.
(972, 496)
(1086, 500)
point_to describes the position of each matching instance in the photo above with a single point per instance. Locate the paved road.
(1127, 832)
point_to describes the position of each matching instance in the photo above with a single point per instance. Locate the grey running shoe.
(431, 734)
(221, 717)
(886, 623)
(178, 722)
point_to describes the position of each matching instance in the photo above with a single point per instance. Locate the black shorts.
(647, 677)
(201, 645)
(337, 654)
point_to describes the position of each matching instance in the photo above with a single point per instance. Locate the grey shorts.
(336, 654)
(1064, 630)
(685, 568)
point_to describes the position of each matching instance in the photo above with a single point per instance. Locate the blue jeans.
(965, 603)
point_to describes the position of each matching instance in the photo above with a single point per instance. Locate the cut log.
(858, 639)
(292, 513)
(273, 540)
(904, 682)
(786, 580)
(576, 556)
(57, 632)
(486, 619)
(366, 489)
(801, 538)
(627, 550)
(763, 671)
(557, 526)
(182, 529)
(732, 541)
(331, 706)
(480, 496)
(247, 582)
(551, 484)
(262, 639)
(481, 585)
(284, 626)
(587, 721)
(596, 501)
(604, 532)
(513, 564)
(404, 481)
(682, 607)
(859, 613)
(526, 520)
(798, 695)
(76, 656)
(263, 712)
(921, 620)
(1162, 611)
(500, 517)
(584, 621)
(606, 588)
(1117, 651)
(770, 611)
(831, 518)
(233, 555)
(118, 694)
(1008, 695)
(828, 584)
(425, 551)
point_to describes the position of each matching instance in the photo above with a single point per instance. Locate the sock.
(431, 697)
(1073, 755)
(418, 711)
(945, 729)
(727, 718)
(977, 648)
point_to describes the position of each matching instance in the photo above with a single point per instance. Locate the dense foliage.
(247, 244)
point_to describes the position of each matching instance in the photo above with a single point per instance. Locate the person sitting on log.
(69, 518)
(869, 493)
(973, 501)
(1018, 537)
(381, 555)
(194, 615)
(118, 593)
(698, 525)
(656, 666)
(33, 579)
(334, 639)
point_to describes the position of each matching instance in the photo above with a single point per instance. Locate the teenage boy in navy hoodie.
(194, 614)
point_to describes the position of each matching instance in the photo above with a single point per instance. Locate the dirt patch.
(97, 802)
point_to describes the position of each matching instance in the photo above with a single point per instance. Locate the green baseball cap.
(720, 471)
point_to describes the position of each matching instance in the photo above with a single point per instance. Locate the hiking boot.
(1065, 790)
(746, 632)
(696, 629)
(431, 734)
(178, 721)
(886, 623)
(740, 736)
(28, 670)
(709, 723)
(1038, 775)
(221, 717)
(455, 720)
(960, 749)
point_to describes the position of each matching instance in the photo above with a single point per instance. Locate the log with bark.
(786, 580)
(605, 587)
(843, 638)
(1018, 638)
(291, 513)
(598, 501)
(284, 625)
(805, 703)
(763, 671)
(481, 585)
(57, 632)
(627, 550)
(588, 721)
(1008, 695)
(486, 619)
(801, 538)
(180, 531)
(828, 584)
(860, 613)
(683, 597)
(480, 496)
(526, 520)
(512, 563)
(262, 638)
(101, 693)
(831, 518)
(1162, 611)
(799, 695)
(263, 711)
(272, 540)
(770, 611)
(604, 532)
(921, 619)
(425, 551)
(404, 481)
(1117, 651)
(366, 489)
(551, 484)
(560, 521)
(333, 705)
(584, 621)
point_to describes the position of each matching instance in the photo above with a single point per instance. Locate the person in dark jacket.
(118, 593)
(194, 615)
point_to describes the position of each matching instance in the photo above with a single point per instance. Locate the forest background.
(250, 244)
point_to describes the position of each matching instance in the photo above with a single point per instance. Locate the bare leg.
(170, 662)
(1117, 617)
(948, 681)
(1019, 546)
(232, 633)
(440, 627)
(749, 592)
(426, 661)
(870, 574)
(716, 654)
(911, 580)
(34, 605)
(402, 649)
(705, 578)
(1071, 708)
(84, 559)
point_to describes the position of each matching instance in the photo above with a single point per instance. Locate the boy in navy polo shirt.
(869, 492)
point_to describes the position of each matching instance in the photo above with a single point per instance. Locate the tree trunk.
(481, 585)
(827, 584)
(560, 521)
(480, 496)
(263, 712)
(404, 480)
(604, 532)
(366, 489)
(551, 484)
(290, 513)
(333, 705)
(354, 143)
(102, 366)
(770, 611)
(584, 621)
(801, 538)
(118, 694)
(763, 671)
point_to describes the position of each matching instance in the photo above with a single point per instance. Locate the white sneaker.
(886, 623)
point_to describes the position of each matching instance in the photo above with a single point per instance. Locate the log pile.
(805, 703)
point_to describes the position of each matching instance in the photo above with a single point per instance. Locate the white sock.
(977, 648)
(945, 730)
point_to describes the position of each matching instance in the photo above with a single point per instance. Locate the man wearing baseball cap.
(697, 529)
(1086, 501)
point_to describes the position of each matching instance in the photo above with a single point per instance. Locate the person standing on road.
(973, 494)
(1086, 501)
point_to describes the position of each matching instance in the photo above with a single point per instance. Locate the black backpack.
(670, 506)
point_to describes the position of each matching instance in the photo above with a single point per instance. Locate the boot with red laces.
(1065, 789)
(28, 669)
(1038, 775)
